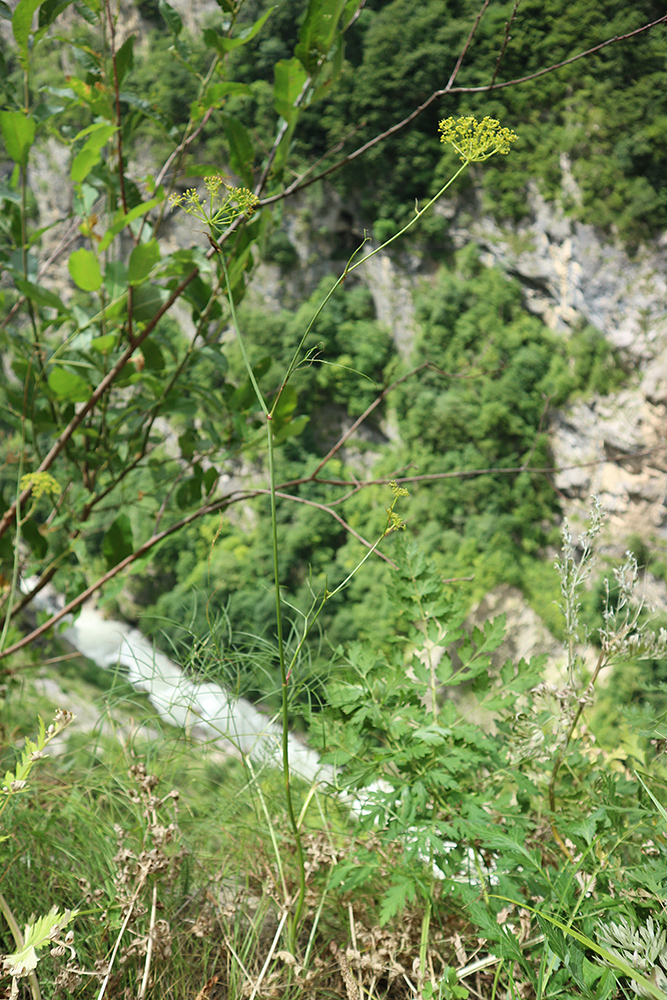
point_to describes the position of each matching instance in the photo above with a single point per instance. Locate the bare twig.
(297, 186)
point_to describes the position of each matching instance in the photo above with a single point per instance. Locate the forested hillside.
(320, 320)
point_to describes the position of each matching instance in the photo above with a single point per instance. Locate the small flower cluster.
(224, 206)
(394, 521)
(40, 483)
(476, 141)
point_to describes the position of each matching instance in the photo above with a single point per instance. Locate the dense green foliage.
(156, 418)
(494, 374)
(605, 113)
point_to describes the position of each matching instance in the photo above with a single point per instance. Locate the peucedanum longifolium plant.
(219, 209)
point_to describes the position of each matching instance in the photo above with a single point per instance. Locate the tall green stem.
(293, 921)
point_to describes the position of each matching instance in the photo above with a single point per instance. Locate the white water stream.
(202, 706)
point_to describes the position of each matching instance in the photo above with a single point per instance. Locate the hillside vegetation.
(186, 449)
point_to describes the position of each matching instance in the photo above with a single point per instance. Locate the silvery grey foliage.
(644, 948)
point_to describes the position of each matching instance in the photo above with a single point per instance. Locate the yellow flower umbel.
(40, 483)
(223, 206)
(476, 141)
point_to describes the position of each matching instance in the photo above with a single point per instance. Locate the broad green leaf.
(351, 8)
(143, 259)
(67, 386)
(289, 77)
(125, 58)
(224, 44)
(152, 355)
(171, 18)
(146, 300)
(215, 353)
(286, 404)
(105, 344)
(21, 25)
(40, 296)
(18, 131)
(124, 220)
(291, 429)
(215, 93)
(115, 279)
(241, 151)
(318, 32)
(35, 538)
(88, 155)
(84, 268)
(49, 11)
(210, 479)
(118, 542)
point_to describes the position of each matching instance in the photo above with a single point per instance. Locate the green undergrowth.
(510, 824)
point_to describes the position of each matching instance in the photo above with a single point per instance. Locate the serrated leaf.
(401, 892)
(318, 32)
(171, 18)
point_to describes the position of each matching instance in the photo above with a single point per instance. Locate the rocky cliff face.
(613, 446)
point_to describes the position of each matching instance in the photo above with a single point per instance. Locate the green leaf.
(84, 268)
(40, 296)
(289, 77)
(21, 25)
(152, 355)
(402, 891)
(318, 32)
(18, 131)
(241, 150)
(224, 44)
(67, 386)
(118, 542)
(214, 94)
(146, 300)
(88, 155)
(105, 344)
(611, 959)
(143, 259)
(291, 429)
(125, 58)
(124, 220)
(210, 479)
(49, 11)
(36, 935)
(171, 18)
(35, 539)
